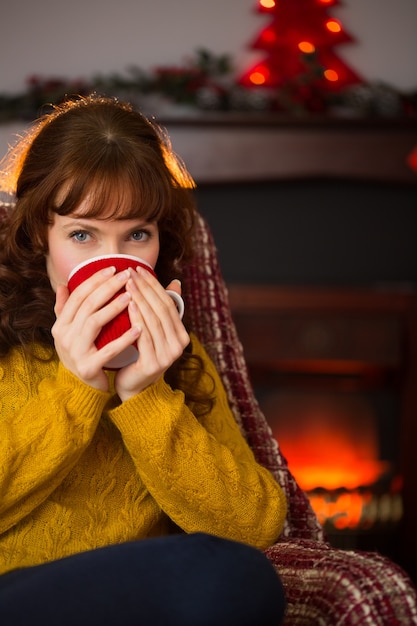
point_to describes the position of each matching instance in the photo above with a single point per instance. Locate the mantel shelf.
(228, 147)
(255, 148)
(277, 120)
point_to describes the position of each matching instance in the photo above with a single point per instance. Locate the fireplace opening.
(342, 446)
(339, 366)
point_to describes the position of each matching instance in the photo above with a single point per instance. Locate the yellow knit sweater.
(81, 470)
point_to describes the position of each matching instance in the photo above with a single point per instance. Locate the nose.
(112, 247)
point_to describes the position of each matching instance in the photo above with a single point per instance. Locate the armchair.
(324, 585)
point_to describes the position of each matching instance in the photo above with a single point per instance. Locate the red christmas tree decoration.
(299, 44)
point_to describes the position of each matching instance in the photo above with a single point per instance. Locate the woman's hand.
(81, 316)
(162, 337)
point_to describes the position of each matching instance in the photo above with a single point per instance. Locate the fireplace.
(324, 202)
(341, 439)
(334, 370)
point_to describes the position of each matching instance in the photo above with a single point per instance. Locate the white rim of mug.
(179, 302)
(103, 257)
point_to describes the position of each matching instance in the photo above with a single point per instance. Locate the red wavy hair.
(92, 146)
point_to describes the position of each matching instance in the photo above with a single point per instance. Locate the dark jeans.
(180, 580)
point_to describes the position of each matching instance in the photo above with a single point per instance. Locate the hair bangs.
(125, 194)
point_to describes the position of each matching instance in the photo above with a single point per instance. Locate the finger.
(163, 330)
(151, 292)
(107, 313)
(95, 293)
(115, 347)
(88, 325)
(94, 280)
(135, 316)
(62, 295)
(163, 336)
(154, 305)
(138, 316)
(175, 285)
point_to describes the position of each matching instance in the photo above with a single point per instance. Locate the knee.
(236, 585)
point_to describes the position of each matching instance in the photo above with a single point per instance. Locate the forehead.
(109, 202)
(91, 209)
(66, 224)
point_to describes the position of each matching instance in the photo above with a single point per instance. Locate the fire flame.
(333, 452)
(343, 511)
(339, 466)
(330, 442)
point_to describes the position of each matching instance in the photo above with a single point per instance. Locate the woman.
(127, 497)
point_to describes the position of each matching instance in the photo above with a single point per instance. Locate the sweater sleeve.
(201, 472)
(47, 419)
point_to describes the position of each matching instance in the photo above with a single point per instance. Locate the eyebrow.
(86, 224)
(78, 224)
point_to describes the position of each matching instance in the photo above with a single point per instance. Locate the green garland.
(206, 82)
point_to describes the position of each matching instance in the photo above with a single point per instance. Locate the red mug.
(121, 323)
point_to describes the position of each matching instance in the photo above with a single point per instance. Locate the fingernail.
(131, 285)
(177, 280)
(122, 276)
(108, 271)
(125, 297)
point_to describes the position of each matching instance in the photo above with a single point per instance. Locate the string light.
(259, 76)
(333, 26)
(306, 47)
(267, 4)
(331, 75)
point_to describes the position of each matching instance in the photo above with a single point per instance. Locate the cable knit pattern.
(79, 471)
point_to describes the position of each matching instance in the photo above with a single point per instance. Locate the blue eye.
(80, 235)
(139, 235)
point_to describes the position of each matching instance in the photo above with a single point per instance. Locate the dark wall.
(314, 232)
